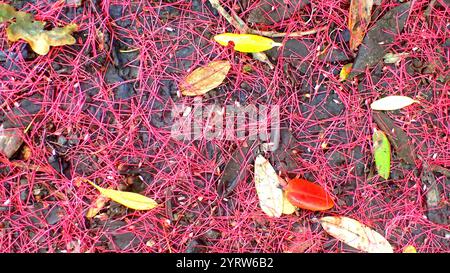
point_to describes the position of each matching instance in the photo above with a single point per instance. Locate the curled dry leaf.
(355, 234)
(358, 21)
(204, 79)
(268, 188)
(382, 153)
(391, 103)
(306, 195)
(249, 43)
(128, 199)
(97, 206)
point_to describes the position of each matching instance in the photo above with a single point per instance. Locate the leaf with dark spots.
(378, 39)
(397, 137)
(273, 11)
(435, 212)
(235, 170)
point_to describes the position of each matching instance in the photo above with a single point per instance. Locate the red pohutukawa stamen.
(306, 195)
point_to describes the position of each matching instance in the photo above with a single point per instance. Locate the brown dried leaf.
(358, 20)
(204, 79)
(97, 206)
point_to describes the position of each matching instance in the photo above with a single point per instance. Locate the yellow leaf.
(204, 79)
(288, 208)
(392, 103)
(358, 21)
(40, 40)
(128, 199)
(268, 188)
(97, 206)
(345, 71)
(409, 249)
(248, 43)
(355, 234)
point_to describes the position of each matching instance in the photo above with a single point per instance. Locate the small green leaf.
(382, 153)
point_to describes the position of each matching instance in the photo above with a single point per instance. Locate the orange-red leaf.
(358, 20)
(307, 195)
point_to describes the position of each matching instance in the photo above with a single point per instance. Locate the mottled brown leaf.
(205, 78)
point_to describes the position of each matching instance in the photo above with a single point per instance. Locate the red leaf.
(307, 195)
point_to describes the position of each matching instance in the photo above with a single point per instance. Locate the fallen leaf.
(382, 153)
(358, 21)
(97, 206)
(306, 195)
(378, 39)
(355, 234)
(128, 199)
(391, 58)
(391, 103)
(7, 12)
(345, 71)
(249, 43)
(204, 79)
(409, 249)
(10, 141)
(400, 140)
(267, 187)
(26, 28)
(288, 208)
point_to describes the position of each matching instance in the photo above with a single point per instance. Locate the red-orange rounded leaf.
(306, 195)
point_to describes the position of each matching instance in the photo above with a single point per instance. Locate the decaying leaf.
(358, 21)
(249, 43)
(355, 234)
(26, 28)
(345, 71)
(391, 58)
(128, 199)
(306, 195)
(382, 153)
(10, 141)
(268, 188)
(273, 11)
(205, 78)
(409, 249)
(398, 138)
(378, 39)
(97, 206)
(391, 103)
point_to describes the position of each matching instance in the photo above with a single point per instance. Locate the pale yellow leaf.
(409, 249)
(391, 58)
(268, 188)
(355, 234)
(249, 43)
(288, 208)
(392, 103)
(128, 199)
(205, 78)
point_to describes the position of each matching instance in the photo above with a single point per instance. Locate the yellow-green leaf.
(382, 153)
(128, 199)
(7, 12)
(355, 234)
(248, 43)
(345, 71)
(268, 188)
(26, 28)
(409, 249)
(204, 79)
(391, 103)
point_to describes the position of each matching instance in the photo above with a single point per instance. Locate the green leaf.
(7, 12)
(382, 153)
